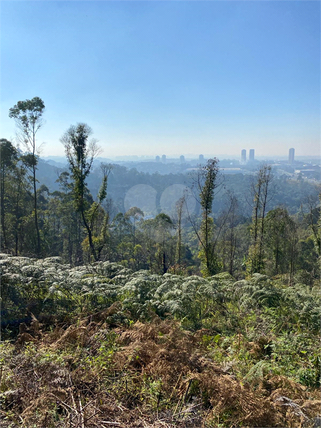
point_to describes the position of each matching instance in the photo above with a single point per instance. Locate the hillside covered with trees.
(124, 225)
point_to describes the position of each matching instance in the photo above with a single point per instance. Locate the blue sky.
(173, 77)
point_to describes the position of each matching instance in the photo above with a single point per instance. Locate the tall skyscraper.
(182, 158)
(164, 158)
(201, 158)
(251, 155)
(243, 156)
(291, 155)
(157, 159)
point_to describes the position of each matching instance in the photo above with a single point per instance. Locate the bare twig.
(82, 418)
(112, 423)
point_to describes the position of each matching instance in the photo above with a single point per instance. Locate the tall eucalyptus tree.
(28, 117)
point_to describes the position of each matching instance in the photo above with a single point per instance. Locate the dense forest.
(202, 311)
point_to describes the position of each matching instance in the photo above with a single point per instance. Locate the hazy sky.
(167, 77)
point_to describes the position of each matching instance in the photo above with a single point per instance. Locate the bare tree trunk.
(38, 249)
(179, 209)
(90, 238)
(2, 213)
(258, 223)
(164, 262)
(266, 181)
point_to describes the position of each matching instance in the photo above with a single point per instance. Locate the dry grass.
(148, 375)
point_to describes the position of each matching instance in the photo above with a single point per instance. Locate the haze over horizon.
(167, 77)
(188, 157)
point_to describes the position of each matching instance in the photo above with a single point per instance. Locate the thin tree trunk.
(267, 178)
(179, 207)
(2, 214)
(164, 263)
(38, 249)
(17, 228)
(92, 247)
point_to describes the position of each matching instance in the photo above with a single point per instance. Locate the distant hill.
(286, 191)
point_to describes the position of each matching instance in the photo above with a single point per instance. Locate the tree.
(28, 117)
(136, 214)
(179, 211)
(23, 205)
(163, 227)
(158, 243)
(260, 190)
(281, 240)
(16, 206)
(8, 159)
(80, 152)
(313, 218)
(97, 216)
(227, 225)
(207, 182)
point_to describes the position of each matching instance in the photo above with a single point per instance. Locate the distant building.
(182, 159)
(243, 156)
(291, 156)
(251, 155)
(157, 159)
(201, 158)
(164, 158)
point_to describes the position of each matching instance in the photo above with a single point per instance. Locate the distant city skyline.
(201, 158)
(154, 78)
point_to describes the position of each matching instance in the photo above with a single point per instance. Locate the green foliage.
(259, 331)
(260, 193)
(28, 113)
(80, 153)
(98, 229)
(281, 241)
(207, 183)
(257, 306)
(28, 117)
(261, 326)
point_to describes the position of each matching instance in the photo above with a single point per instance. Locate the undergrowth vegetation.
(100, 345)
